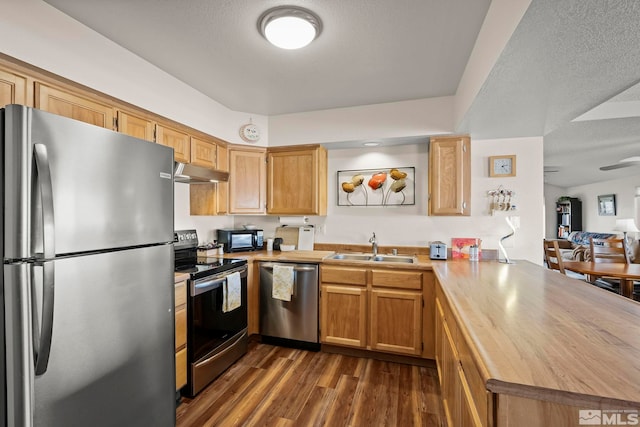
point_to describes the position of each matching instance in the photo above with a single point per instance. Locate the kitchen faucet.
(374, 244)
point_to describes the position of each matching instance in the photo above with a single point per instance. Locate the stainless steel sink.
(377, 258)
(393, 258)
(352, 257)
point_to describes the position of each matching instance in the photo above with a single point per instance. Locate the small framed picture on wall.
(607, 205)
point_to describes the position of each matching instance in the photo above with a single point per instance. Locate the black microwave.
(234, 240)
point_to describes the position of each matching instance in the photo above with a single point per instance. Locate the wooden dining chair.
(552, 255)
(608, 250)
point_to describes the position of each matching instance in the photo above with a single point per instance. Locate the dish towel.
(282, 282)
(232, 293)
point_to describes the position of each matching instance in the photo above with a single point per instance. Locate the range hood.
(190, 174)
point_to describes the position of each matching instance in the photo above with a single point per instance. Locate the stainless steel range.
(216, 335)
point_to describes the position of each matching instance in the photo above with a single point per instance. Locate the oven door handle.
(206, 286)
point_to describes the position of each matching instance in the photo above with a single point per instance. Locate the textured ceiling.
(564, 59)
(370, 51)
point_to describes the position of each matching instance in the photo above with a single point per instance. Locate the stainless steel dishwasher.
(290, 323)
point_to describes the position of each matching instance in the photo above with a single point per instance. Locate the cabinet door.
(343, 315)
(133, 125)
(396, 321)
(181, 333)
(450, 176)
(209, 199)
(297, 181)
(175, 139)
(222, 188)
(450, 382)
(203, 153)
(468, 415)
(13, 89)
(67, 104)
(247, 182)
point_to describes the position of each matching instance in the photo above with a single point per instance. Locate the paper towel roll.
(294, 220)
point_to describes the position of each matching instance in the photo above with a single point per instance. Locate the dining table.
(627, 273)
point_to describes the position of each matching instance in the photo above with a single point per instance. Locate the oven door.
(208, 326)
(215, 339)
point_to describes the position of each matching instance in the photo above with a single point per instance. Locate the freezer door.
(82, 186)
(112, 356)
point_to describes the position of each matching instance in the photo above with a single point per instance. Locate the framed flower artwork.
(377, 187)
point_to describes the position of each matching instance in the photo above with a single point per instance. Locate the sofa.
(576, 246)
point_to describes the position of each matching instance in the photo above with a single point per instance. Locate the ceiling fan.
(624, 163)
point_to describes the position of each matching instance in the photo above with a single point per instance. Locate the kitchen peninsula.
(523, 345)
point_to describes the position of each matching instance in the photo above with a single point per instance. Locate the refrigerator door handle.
(42, 348)
(42, 337)
(46, 193)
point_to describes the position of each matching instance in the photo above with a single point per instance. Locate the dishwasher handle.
(296, 268)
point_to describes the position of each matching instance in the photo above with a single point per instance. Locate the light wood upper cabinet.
(134, 125)
(450, 176)
(13, 89)
(179, 141)
(247, 180)
(297, 180)
(203, 153)
(209, 199)
(67, 104)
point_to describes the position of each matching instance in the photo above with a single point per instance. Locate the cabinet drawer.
(397, 279)
(181, 293)
(348, 276)
(181, 328)
(181, 368)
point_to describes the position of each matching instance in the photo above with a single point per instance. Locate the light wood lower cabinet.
(344, 315)
(373, 308)
(181, 333)
(465, 399)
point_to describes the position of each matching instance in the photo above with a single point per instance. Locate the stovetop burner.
(187, 260)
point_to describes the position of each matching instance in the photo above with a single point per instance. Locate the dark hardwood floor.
(278, 386)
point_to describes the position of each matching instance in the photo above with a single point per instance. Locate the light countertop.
(539, 334)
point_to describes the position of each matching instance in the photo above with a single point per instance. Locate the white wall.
(419, 117)
(625, 191)
(410, 225)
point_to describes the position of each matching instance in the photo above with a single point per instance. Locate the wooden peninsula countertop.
(537, 334)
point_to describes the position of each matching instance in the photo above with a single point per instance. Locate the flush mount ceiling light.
(289, 27)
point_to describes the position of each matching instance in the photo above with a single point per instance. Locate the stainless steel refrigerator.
(87, 290)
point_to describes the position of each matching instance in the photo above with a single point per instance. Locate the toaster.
(437, 250)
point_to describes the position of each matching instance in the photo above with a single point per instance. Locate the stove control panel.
(185, 238)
